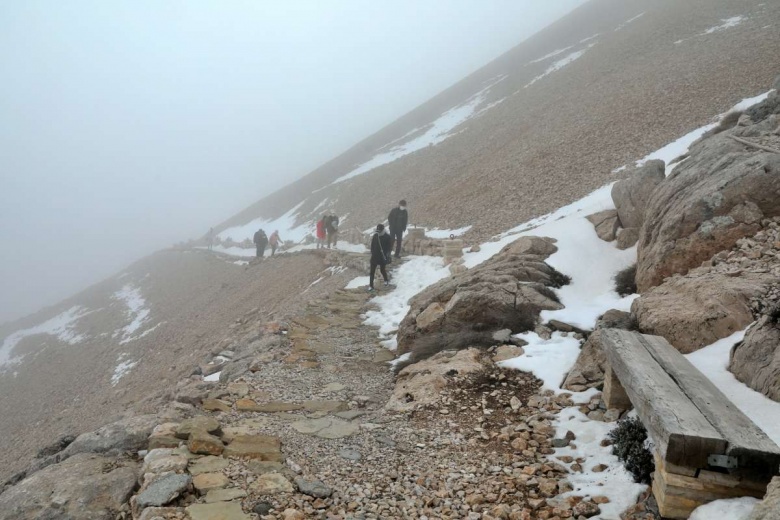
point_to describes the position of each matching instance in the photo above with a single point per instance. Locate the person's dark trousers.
(273, 250)
(260, 252)
(397, 236)
(372, 272)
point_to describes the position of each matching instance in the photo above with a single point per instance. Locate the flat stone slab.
(224, 495)
(348, 454)
(163, 490)
(271, 484)
(217, 511)
(208, 464)
(238, 389)
(261, 447)
(205, 482)
(201, 423)
(216, 405)
(203, 443)
(326, 428)
(164, 436)
(333, 387)
(250, 405)
(313, 488)
(325, 406)
(350, 414)
(261, 467)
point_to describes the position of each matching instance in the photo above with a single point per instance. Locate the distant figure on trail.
(380, 255)
(274, 241)
(397, 221)
(261, 240)
(321, 232)
(332, 229)
(210, 238)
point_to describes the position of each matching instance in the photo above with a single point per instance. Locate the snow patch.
(726, 508)
(355, 283)
(551, 55)
(629, 21)
(558, 65)
(122, 368)
(410, 278)
(441, 129)
(285, 224)
(61, 326)
(213, 377)
(137, 312)
(728, 23)
(549, 360)
(445, 233)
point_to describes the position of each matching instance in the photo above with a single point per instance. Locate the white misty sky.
(126, 126)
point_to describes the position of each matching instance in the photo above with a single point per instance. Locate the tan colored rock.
(224, 495)
(769, 508)
(216, 405)
(203, 443)
(249, 405)
(207, 464)
(217, 511)
(627, 237)
(588, 370)
(164, 436)
(261, 447)
(420, 383)
(505, 352)
(756, 359)
(155, 513)
(200, 423)
(292, 514)
(271, 484)
(531, 245)
(238, 389)
(432, 314)
(606, 224)
(700, 308)
(205, 482)
(632, 194)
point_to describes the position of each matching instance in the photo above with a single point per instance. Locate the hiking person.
(274, 241)
(210, 239)
(380, 253)
(397, 221)
(332, 230)
(260, 240)
(321, 232)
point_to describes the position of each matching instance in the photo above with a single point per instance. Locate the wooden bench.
(705, 447)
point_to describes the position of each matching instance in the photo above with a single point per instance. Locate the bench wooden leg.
(614, 395)
(680, 490)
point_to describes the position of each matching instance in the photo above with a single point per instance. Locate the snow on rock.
(136, 311)
(410, 278)
(355, 283)
(549, 360)
(61, 326)
(445, 233)
(441, 129)
(558, 65)
(213, 377)
(712, 361)
(122, 368)
(616, 483)
(727, 509)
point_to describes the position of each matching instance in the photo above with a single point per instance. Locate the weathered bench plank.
(682, 433)
(746, 441)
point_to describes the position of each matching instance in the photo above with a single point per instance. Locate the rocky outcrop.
(419, 384)
(696, 310)
(756, 360)
(588, 370)
(84, 487)
(631, 196)
(606, 224)
(718, 195)
(506, 292)
(769, 508)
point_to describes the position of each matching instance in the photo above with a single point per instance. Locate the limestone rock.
(127, 435)
(163, 460)
(163, 490)
(420, 383)
(271, 484)
(606, 224)
(326, 428)
(261, 447)
(505, 352)
(217, 511)
(208, 464)
(632, 194)
(200, 423)
(769, 508)
(260, 467)
(238, 389)
(756, 359)
(698, 309)
(216, 405)
(615, 319)
(588, 370)
(164, 436)
(224, 495)
(313, 488)
(203, 443)
(205, 482)
(430, 316)
(83, 487)
(627, 237)
(194, 392)
(718, 195)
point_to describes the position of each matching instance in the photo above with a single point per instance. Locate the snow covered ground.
(446, 233)
(122, 368)
(137, 312)
(558, 65)
(439, 130)
(61, 326)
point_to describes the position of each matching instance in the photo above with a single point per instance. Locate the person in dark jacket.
(332, 229)
(380, 253)
(261, 241)
(397, 221)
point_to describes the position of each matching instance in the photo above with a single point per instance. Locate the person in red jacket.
(321, 233)
(274, 242)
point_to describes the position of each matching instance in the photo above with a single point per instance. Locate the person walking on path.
(261, 240)
(210, 239)
(380, 253)
(332, 229)
(321, 232)
(274, 241)
(397, 221)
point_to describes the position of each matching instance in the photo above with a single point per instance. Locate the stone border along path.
(306, 436)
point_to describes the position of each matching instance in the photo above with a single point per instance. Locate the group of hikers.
(327, 230)
(262, 241)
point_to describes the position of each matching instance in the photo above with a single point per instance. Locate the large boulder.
(419, 384)
(769, 508)
(632, 194)
(718, 195)
(588, 370)
(506, 292)
(697, 309)
(606, 224)
(756, 360)
(127, 435)
(84, 487)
